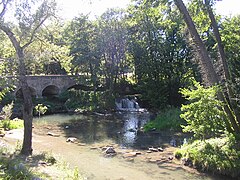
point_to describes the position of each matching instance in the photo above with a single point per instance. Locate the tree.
(29, 24)
(226, 74)
(113, 42)
(206, 65)
(229, 31)
(160, 52)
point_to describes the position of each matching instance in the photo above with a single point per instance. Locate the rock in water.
(110, 150)
(53, 134)
(153, 149)
(71, 139)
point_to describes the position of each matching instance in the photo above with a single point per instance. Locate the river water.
(122, 130)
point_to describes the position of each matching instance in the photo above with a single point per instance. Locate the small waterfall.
(125, 104)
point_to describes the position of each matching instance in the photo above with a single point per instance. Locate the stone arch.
(50, 90)
(18, 93)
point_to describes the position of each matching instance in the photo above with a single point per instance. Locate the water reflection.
(133, 122)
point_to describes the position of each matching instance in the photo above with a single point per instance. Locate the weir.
(126, 104)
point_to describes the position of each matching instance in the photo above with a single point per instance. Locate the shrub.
(7, 110)
(204, 114)
(167, 119)
(217, 155)
(11, 124)
(41, 109)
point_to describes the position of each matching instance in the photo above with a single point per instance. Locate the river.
(120, 131)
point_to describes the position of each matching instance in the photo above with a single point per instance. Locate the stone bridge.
(48, 85)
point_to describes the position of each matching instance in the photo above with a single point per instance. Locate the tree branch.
(4, 3)
(10, 35)
(34, 32)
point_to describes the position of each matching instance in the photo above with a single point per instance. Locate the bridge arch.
(18, 92)
(50, 90)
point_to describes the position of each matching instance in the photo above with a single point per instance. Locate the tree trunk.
(205, 62)
(27, 99)
(206, 65)
(223, 59)
(27, 106)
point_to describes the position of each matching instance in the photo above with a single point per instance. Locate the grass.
(217, 155)
(168, 119)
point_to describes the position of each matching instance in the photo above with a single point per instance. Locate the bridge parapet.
(49, 84)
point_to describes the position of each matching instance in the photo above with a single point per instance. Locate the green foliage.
(203, 113)
(76, 175)
(230, 36)
(160, 52)
(14, 169)
(7, 110)
(7, 98)
(41, 109)
(11, 124)
(85, 100)
(3, 92)
(48, 158)
(218, 155)
(15, 166)
(168, 119)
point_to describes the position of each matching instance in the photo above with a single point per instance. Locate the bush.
(7, 110)
(204, 114)
(167, 119)
(218, 155)
(11, 124)
(41, 109)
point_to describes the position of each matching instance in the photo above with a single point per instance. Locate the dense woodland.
(151, 49)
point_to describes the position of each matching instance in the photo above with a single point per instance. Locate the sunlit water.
(122, 129)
